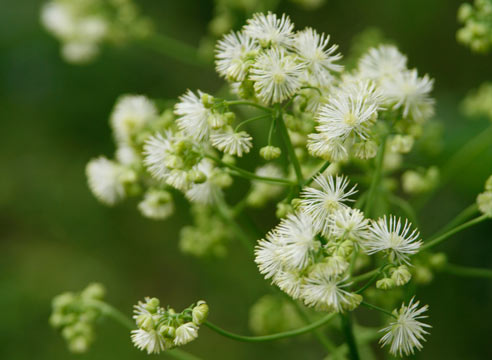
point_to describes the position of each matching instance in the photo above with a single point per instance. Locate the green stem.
(319, 172)
(374, 307)
(248, 103)
(376, 179)
(349, 335)
(288, 144)
(405, 206)
(250, 120)
(372, 279)
(468, 271)
(322, 338)
(122, 319)
(175, 49)
(249, 175)
(437, 240)
(460, 218)
(277, 336)
(364, 276)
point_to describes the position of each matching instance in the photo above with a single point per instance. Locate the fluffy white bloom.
(277, 75)
(290, 282)
(348, 223)
(312, 49)
(156, 204)
(157, 150)
(351, 111)
(269, 30)
(130, 114)
(382, 62)
(126, 155)
(106, 180)
(79, 52)
(235, 54)
(206, 192)
(150, 341)
(399, 241)
(193, 115)
(325, 147)
(326, 293)
(268, 255)
(410, 93)
(186, 333)
(406, 332)
(57, 18)
(321, 203)
(231, 142)
(296, 235)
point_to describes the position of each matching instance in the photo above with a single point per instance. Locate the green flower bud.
(222, 179)
(401, 275)
(385, 284)
(229, 159)
(488, 184)
(422, 274)
(283, 210)
(401, 143)
(196, 176)
(437, 261)
(94, 291)
(354, 301)
(365, 150)
(484, 202)
(229, 117)
(174, 162)
(207, 100)
(296, 203)
(345, 249)
(145, 322)
(216, 120)
(167, 331)
(152, 305)
(79, 344)
(270, 152)
(200, 312)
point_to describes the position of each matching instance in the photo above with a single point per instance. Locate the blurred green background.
(54, 236)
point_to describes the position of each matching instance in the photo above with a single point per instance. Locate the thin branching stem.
(466, 271)
(376, 178)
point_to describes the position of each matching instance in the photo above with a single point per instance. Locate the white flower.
(106, 180)
(321, 145)
(157, 150)
(127, 155)
(326, 293)
(276, 75)
(150, 341)
(206, 192)
(79, 52)
(235, 54)
(269, 30)
(410, 93)
(348, 223)
(290, 282)
(352, 110)
(231, 142)
(193, 115)
(321, 203)
(186, 333)
(398, 241)
(57, 18)
(268, 255)
(131, 113)
(382, 62)
(406, 332)
(311, 48)
(156, 204)
(297, 239)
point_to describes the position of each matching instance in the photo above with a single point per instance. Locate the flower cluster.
(82, 26)
(161, 329)
(308, 254)
(74, 315)
(477, 29)
(479, 102)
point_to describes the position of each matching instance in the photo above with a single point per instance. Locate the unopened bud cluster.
(477, 25)
(161, 329)
(74, 315)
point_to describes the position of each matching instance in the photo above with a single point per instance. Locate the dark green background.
(54, 236)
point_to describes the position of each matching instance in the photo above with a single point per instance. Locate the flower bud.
(354, 301)
(152, 305)
(488, 184)
(365, 150)
(196, 176)
(93, 291)
(145, 322)
(437, 261)
(484, 202)
(401, 143)
(200, 312)
(385, 284)
(270, 152)
(401, 275)
(207, 100)
(283, 210)
(167, 331)
(216, 120)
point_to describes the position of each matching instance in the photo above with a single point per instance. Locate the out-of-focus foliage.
(54, 235)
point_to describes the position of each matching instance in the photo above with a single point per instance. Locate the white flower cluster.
(308, 254)
(82, 26)
(162, 329)
(270, 62)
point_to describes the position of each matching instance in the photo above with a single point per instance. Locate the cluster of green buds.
(161, 329)
(479, 102)
(394, 276)
(477, 29)
(420, 181)
(484, 200)
(74, 314)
